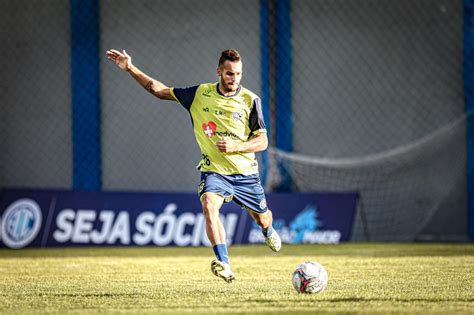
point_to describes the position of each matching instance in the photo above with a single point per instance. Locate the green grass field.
(363, 278)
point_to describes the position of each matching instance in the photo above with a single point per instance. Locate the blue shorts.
(245, 190)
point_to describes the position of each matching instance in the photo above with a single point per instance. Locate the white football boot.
(273, 241)
(222, 270)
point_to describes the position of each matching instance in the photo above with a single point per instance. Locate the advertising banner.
(52, 218)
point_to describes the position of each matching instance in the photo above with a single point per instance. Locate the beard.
(229, 87)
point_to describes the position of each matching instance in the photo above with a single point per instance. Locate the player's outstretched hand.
(121, 59)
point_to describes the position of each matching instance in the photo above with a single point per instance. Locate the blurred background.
(358, 95)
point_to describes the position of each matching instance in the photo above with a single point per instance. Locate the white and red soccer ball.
(310, 277)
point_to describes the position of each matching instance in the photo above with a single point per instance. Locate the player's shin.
(220, 250)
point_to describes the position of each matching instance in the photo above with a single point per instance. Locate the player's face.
(230, 74)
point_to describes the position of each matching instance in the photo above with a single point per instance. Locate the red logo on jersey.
(209, 128)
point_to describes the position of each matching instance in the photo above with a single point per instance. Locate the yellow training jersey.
(215, 116)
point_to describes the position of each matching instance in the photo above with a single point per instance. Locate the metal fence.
(342, 83)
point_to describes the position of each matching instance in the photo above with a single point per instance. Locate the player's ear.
(219, 71)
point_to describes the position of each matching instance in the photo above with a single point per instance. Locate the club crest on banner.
(21, 223)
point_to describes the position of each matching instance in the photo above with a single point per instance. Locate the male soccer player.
(229, 129)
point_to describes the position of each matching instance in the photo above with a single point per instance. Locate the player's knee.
(209, 207)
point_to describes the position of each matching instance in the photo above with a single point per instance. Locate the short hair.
(229, 54)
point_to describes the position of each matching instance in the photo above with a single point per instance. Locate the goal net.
(399, 189)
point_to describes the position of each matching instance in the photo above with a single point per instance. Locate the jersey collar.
(235, 94)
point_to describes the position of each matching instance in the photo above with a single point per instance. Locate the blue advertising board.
(52, 218)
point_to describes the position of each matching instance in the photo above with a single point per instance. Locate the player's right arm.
(124, 62)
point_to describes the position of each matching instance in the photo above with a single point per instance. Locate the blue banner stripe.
(283, 64)
(469, 105)
(265, 78)
(85, 95)
(283, 77)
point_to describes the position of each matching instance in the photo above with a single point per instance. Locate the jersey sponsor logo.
(209, 128)
(226, 133)
(205, 109)
(21, 223)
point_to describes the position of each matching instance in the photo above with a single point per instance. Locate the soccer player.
(229, 129)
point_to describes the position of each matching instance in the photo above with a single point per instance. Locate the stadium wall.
(179, 43)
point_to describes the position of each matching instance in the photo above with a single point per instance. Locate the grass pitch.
(363, 278)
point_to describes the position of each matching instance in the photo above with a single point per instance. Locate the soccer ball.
(310, 277)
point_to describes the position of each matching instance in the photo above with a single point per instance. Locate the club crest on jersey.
(236, 116)
(209, 128)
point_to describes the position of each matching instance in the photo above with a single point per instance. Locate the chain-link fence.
(359, 95)
(378, 107)
(35, 94)
(149, 144)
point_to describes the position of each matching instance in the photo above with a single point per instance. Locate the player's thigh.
(211, 202)
(217, 185)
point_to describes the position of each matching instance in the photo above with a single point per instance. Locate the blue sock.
(268, 231)
(221, 252)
